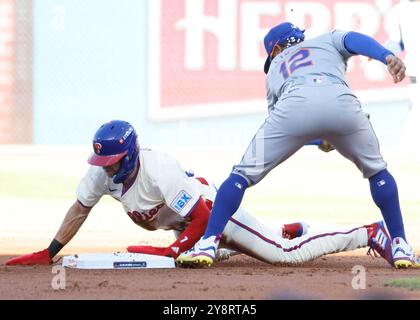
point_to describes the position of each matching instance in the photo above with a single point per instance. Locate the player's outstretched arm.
(358, 43)
(199, 217)
(361, 44)
(74, 219)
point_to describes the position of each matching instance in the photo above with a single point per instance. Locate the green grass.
(37, 185)
(347, 209)
(270, 203)
(409, 283)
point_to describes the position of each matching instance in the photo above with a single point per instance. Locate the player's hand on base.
(396, 68)
(326, 146)
(40, 257)
(158, 251)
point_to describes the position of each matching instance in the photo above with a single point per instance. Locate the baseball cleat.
(199, 261)
(379, 241)
(202, 255)
(294, 230)
(402, 254)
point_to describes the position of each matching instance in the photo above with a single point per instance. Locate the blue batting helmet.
(284, 34)
(115, 141)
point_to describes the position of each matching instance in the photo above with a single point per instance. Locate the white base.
(117, 260)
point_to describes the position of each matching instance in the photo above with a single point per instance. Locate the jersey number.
(296, 61)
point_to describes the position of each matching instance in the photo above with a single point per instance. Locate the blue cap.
(285, 32)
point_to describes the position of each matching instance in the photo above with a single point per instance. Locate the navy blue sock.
(227, 202)
(385, 194)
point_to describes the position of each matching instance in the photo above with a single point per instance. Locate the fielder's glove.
(326, 146)
(40, 257)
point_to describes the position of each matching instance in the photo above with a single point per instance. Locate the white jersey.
(161, 196)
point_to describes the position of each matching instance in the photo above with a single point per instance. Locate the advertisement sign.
(206, 56)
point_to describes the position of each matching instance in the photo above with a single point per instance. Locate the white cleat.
(403, 255)
(202, 255)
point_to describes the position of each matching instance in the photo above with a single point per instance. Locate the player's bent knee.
(240, 180)
(250, 178)
(370, 172)
(378, 173)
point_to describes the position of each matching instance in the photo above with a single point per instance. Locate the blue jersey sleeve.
(361, 44)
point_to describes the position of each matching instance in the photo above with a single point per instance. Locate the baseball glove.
(326, 146)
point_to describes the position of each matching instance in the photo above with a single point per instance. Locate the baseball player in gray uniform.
(308, 98)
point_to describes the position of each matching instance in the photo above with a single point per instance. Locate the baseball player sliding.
(308, 98)
(157, 193)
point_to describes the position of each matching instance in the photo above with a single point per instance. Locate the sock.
(385, 194)
(227, 202)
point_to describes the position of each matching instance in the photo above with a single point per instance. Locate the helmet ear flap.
(127, 164)
(123, 173)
